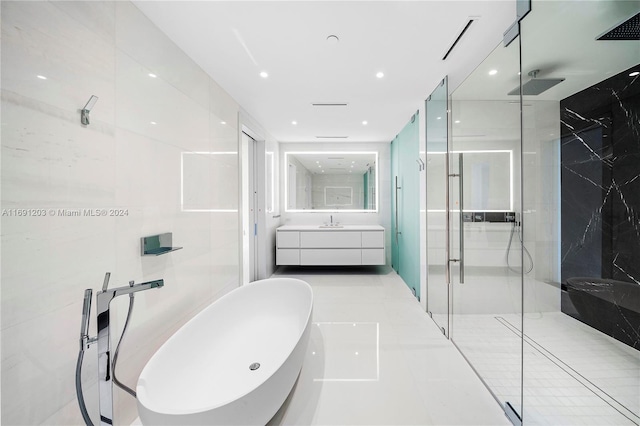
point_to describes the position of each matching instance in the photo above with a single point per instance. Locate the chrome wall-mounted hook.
(84, 112)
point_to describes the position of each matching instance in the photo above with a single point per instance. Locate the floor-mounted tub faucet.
(105, 373)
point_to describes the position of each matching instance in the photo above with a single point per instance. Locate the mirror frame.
(285, 184)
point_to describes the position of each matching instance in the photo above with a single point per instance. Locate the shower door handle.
(460, 258)
(461, 217)
(397, 208)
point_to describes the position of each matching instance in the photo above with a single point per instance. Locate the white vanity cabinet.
(315, 245)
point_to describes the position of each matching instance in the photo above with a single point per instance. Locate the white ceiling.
(406, 40)
(560, 39)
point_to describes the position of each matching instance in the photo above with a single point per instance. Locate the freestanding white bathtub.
(206, 373)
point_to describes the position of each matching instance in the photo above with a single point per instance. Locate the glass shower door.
(405, 215)
(436, 142)
(484, 257)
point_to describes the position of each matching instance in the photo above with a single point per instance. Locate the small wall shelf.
(155, 245)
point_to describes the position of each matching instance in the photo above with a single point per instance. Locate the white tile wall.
(121, 160)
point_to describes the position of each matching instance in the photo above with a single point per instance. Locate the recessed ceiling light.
(633, 74)
(323, 171)
(154, 123)
(457, 121)
(493, 72)
(152, 75)
(439, 118)
(41, 77)
(264, 74)
(379, 74)
(223, 122)
(294, 122)
(365, 122)
(353, 162)
(317, 162)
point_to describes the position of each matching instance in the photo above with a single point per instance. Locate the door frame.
(252, 163)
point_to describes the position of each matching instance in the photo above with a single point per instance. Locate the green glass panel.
(406, 208)
(394, 208)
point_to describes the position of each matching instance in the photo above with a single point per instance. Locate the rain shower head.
(535, 86)
(627, 30)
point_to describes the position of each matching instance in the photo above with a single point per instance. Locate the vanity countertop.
(329, 228)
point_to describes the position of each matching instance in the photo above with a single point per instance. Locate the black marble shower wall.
(600, 195)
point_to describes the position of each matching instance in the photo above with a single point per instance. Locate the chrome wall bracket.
(512, 414)
(84, 112)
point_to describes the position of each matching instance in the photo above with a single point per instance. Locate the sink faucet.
(103, 299)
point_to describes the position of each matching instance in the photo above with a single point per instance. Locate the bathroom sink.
(331, 226)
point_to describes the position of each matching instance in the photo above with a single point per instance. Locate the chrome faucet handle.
(105, 283)
(131, 295)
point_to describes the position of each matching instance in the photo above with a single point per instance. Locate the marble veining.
(601, 206)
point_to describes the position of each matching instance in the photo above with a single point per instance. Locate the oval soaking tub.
(232, 364)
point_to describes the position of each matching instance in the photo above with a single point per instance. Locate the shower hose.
(79, 393)
(513, 230)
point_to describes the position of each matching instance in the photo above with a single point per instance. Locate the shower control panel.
(500, 217)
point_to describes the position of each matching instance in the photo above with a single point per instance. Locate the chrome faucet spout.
(110, 294)
(105, 376)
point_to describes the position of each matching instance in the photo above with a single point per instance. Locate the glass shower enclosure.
(532, 249)
(484, 202)
(436, 108)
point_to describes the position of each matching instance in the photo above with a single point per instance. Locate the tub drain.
(254, 366)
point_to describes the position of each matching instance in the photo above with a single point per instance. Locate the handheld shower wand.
(85, 342)
(517, 228)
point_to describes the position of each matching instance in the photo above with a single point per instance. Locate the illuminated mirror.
(489, 180)
(331, 181)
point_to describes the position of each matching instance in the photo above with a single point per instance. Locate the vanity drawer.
(287, 257)
(372, 239)
(288, 239)
(330, 257)
(330, 239)
(373, 257)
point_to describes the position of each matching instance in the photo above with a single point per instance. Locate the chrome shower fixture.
(84, 112)
(536, 85)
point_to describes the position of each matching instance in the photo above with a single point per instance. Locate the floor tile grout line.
(580, 378)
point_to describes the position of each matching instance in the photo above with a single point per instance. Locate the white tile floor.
(573, 374)
(375, 358)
